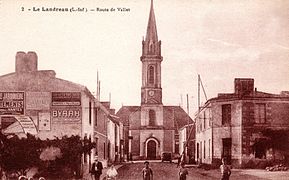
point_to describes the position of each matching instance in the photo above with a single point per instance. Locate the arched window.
(151, 74)
(152, 117)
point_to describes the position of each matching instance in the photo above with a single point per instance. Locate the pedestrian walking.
(96, 168)
(111, 173)
(183, 172)
(225, 170)
(147, 172)
(179, 160)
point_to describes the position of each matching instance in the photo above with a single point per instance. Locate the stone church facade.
(152, 128)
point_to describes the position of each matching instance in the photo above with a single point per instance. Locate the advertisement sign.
(66, 98)
(7, 121)
(44, 121)
(27, 124)
(18, 124)
(38, 100)
(66, 114)
(12, 103)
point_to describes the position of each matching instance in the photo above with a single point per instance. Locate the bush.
(19, 155)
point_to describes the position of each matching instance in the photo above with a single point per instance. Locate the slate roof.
(124, 112)
(180, 117)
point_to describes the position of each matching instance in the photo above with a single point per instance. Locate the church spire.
(151, 44)
(152, 27)
(151, 90)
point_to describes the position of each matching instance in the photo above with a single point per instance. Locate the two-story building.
(113, 150)
(37, 102)
(245, 127)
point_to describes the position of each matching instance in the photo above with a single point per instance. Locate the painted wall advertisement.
(44, 121)
(66, 98)
(66, 107)
(11, 103)
(38, 100)
(66, 114)
(27, 124)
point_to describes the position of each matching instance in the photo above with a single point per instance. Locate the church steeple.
(151, 92)
(152, 34)
(151, 44)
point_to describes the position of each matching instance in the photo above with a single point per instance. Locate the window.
(151, 75)
(95, 116)
(152, 117)
(204, 149)
(108, 150)
(226, 114)
(104, 151)
(176, 147)
(201, 146)
(96, 146)
(210, 120)
(204, 120)
(209, 153)
(260, 113)
(89, 112)
(198, 151)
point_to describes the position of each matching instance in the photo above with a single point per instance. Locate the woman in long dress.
(111, 173)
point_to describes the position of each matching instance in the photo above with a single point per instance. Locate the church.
(151, 128)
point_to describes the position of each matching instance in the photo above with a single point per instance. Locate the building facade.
(187, 142)
(244, 127)
(37, 102)
(152, 128)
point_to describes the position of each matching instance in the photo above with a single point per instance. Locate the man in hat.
(96, 168)
(147, 172)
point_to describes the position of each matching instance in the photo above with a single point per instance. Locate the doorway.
(227, 149)
(151, 149)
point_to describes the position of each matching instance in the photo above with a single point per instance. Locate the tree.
(19, 155)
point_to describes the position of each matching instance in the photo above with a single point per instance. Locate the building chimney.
(26, 62)
(244, 86)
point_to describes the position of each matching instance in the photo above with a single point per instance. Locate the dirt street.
(169, 171)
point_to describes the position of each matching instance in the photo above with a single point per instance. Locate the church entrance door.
(151, 149)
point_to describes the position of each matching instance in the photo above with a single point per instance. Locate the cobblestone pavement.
(167, 171)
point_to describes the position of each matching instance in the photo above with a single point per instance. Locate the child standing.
(147, 172)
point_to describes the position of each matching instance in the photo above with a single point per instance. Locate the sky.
(220, 40)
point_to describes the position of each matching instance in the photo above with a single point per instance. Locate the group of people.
(147, 172)
(183, 172)
(96, 170)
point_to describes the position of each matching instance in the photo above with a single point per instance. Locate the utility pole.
(199, 93)
(97, 88)
(109, 97)
(188, 108)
